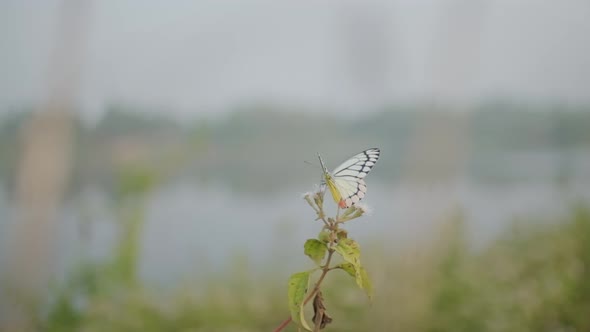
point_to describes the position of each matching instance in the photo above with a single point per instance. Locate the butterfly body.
(346, 182)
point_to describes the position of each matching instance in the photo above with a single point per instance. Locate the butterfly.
(346, 181)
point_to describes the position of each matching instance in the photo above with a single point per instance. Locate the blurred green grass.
(533, 277)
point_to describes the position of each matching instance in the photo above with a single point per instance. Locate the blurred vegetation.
(531, 278)
(534, 277)
(500, 137)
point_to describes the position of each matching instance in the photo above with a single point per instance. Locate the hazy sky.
(207, 56)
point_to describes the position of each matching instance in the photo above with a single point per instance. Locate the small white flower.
(307, 194)
(367, 210)
(316, 190)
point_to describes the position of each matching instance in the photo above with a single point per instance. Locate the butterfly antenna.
(310, 163)
(321, 162)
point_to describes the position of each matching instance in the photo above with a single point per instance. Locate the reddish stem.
(283, 325)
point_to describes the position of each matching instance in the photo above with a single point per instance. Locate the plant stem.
(316, 288)
(283, 325)
(323, 218)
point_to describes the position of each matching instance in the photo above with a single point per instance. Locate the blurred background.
(152, 162)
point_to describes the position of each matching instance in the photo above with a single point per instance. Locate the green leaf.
(348, 268)
(361, 278)
(350, 252)
(298, 284)
(316, 250)
(366, 284)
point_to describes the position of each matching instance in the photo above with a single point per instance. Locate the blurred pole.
(43, 172)
(369, 47)
(440, 145)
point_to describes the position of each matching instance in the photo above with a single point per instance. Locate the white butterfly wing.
(348, 177)
(351, 191)
(359, 165)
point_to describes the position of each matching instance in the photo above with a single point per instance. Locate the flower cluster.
(316, 201)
